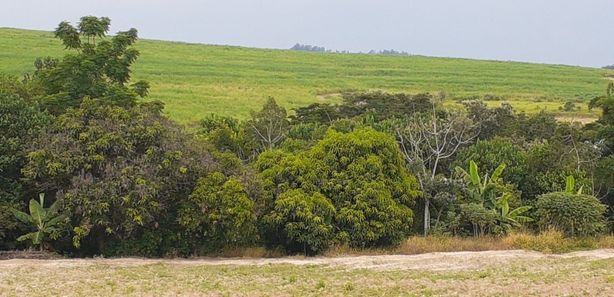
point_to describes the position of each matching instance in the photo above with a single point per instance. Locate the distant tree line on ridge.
(320, 49)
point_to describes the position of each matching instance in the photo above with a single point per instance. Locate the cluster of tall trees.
(116, 177)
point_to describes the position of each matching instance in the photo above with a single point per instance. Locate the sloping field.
(491, 273)
(196, 79)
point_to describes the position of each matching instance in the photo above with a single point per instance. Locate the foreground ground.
(492, 273)
(194, 80)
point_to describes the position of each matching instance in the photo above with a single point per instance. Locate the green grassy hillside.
(195, 79)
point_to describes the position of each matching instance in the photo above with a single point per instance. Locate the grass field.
(499, 273)
(195, 79)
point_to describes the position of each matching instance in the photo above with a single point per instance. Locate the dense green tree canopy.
(119, 172)
(20, 122)
(362, 174)
(99, 70)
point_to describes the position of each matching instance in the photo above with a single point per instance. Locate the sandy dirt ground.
(489, 273)
(430, 261)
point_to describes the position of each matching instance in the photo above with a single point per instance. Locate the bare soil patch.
(487, 273)
(430, 261)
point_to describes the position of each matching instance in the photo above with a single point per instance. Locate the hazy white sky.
(576, 32)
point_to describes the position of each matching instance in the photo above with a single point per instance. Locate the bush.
(305, 221)
(219, 212)
(573, 214)
(20, 122)
(363, 174)
(121, 174)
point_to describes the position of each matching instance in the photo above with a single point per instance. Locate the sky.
(573, 32)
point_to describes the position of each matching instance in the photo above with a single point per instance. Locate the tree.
(604, 127)
(427, 142)
(305, 222)
(384, 105)
(489, 201)
(270, 124)
(491, 122)
(98, 70)
(47, 221)
(229, 135)
(491, 153)
(122, 174)
(363, 175)
(573, 214)
(569, 106)
(220, 212)
(20, 122)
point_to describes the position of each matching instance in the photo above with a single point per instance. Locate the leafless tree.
(427, 141)
(270, 124)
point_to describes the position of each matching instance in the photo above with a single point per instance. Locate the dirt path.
(491, 273)
(431, 261)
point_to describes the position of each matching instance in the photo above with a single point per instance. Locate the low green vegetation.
(366, 173)
(193, 80)
(45, 220)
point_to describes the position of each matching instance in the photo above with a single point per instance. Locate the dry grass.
(500, 273)
(548, 242)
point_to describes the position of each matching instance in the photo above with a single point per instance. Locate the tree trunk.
(427, 217)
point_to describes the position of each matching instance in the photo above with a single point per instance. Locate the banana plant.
(46, 221)
(510, 218)
(484, 191)
(482, 188)
(570, 186)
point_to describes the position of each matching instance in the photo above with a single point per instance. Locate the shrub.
(573, 214)
(219, 212)
(120, 174)
(20, 122)
(363, 174)
(305, 221)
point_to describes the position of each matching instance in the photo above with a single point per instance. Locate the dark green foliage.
(120, 173)
(491, 122)
(386, 105)
(549, 163)
(489, 154)
(323, 113)
(229, 135)
(478, 216)
(504, 122)
(604, 127)
(20, 122)
(574, 214)
(219, 212)
(569, 106)
(536, 126)
(381, 105)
